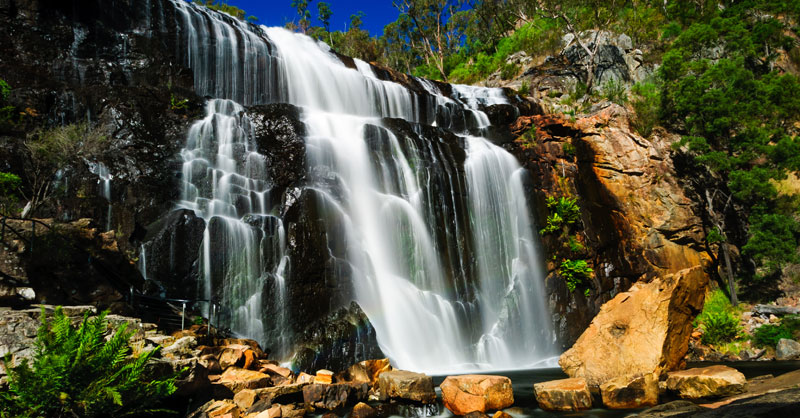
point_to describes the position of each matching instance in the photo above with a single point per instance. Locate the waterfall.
(441, 249)
(104, 180)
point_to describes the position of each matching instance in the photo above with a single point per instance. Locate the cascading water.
(439, 242)
(104, 180)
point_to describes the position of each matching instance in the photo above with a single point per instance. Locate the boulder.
(706, 382)
(787, 350)
(468, 393)
(367, 371)
(222, 409)
(402, 384)
(274, 411)
(274, 393)
(563, 395)
(232, 356)
(324, 377)
(501, 414)
(631, 391)
(181, 347)
(276, 370)
(641, 331)
(293, 411)
(362, 410)
(236, 379)
(304, 378)
(334, 396)
(245, 399)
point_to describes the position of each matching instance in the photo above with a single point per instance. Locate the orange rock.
(563, 395)
(629, 392)
(367, 371)
(324, 377)
(237, 379)
(223, 409)
(250, 361)
(245, 398)
(644, 330)
(231, 356)
(304, 378)
(705, 382)
(276, 370)
(470, 393)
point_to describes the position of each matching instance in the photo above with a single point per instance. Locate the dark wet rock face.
(334, 343)
(172, 249)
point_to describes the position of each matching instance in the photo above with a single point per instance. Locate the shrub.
(76, 372)
(718, 320)
(770, 334)
(524, 88)
(508, 71)
(574, 272)
(646, 104)
(564, 211)
(9, 191)
(720, 327)
(614, 91)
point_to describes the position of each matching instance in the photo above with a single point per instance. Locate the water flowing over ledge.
(433, 231)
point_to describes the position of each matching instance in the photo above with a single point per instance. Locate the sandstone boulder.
(402, 384)
(787, 350)
(304, 378)
(362, 410)
(469, 393)
(334, 396)
(181, 347)
(280, 392)
(245, 399)
(563, 395)
(274, 411)
(713, 381)
(236, 379)
(222, 409)
(631, 391)
(324, 377)
(501, 414)
(641, 331)
(368, 371)
(276, 370)
(232, 356)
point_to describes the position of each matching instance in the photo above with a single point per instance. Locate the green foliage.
(568, 149)
(564, 211)
(178, 104)
(737, 111)
(508, 71)
(226, 8)
(768, 335)
(575, 272)
(76, 372)
(574, 245)
(718, 319)
(614, 91)
(8, 113)
(646, 104)
(9, 192)
(524, 88)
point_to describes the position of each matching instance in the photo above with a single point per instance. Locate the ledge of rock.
(644, 330)
(405, 385)
(563, 395)
(631, 391)
(707, 382)
(481, 393)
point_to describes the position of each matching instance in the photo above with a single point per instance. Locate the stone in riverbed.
(713, 381)
(334, 396)
(222, 409)
(563, 395)
(631, 391)
(672, 409)
(245, 399)
(787, 350)
(501, 414)
(469, 393)
(402, 384)
(280, 393)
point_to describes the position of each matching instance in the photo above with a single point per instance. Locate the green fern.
(76, 372)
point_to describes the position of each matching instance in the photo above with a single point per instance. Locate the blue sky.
(277, 12)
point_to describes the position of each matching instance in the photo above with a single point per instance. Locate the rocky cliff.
(119, 69)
